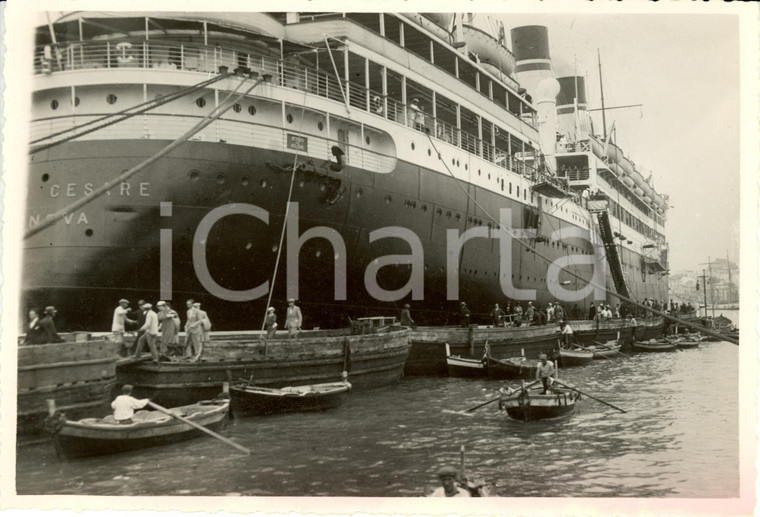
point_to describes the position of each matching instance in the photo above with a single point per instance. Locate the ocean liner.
(387, 132)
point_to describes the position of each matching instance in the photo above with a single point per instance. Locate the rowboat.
(606, 350)
(529, 405)
(459, 366)
(98, 436)
(511, 368)
(576, 357)
(257, 400)
(654, 346)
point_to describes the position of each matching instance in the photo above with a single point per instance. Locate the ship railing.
(208, 59)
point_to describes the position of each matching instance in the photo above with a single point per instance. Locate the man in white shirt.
(150, 333)
(118, 325)
(124, 405)
(549, 313)
(545, 372)
(449, 487)
(567, 333)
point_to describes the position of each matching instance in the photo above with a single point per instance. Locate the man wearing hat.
(545, 372)
(406, 317)
(125, 404)
(449, 488)
(497, 315)
(293, 319)
(270, 323)
(149, 333)
(118, 326)
(47, 326)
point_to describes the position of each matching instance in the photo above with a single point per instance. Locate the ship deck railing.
(145, 54)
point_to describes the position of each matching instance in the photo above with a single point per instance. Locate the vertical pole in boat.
(462, 473)
(51, 413)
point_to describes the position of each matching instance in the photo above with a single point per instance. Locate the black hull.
(654, 347)
(79, 265)
(530, 413)
(245, 403)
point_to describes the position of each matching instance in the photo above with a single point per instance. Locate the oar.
(589, 396)
(468, 412)
(610, 348)
(199, 427)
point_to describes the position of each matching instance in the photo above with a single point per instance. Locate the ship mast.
(601, 89)
(730, 285)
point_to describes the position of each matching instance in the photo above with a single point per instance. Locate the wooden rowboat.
(606, 350)
(511, 368)
(96, 436)
(256, 400)
(577, 357)
(654, 346)
(529, 405)
(459, 366)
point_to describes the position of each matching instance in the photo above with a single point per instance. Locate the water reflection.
(391, 442)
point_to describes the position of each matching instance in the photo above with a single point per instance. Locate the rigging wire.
(143, 107)
(211, 117)
(572, 273)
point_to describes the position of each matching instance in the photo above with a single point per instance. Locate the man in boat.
(193, 330)
(406, 317)
(118, 325)
(125, 404)
(270, 323)
(497, 315)
(549, 312)
(518, 312)
(293, 319)
(567, 333)
(205, 328)
(449, 488)
(559, 312)
(528, 316)
(545, 372)
(149, 333)
(49, 334)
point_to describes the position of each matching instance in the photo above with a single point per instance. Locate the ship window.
(320, 126)
(289, 118)
(88, 232)
(252, 110)
(237, 108)
(489, 175)
(45, 177)
(388, 199)
(244, 181)
(111, 98)
(412, 146)
(478, 172)
(510, 187)
(201, 102)
(195, 174)
(465, 166)
(518, 190)
(430, 153)
(76, 101)
(366, 139)
(54, 104)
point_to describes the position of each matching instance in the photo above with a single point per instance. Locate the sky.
(684, 70)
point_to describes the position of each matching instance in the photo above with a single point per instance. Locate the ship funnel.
(572, 109)
(546, 106)
(530, 46)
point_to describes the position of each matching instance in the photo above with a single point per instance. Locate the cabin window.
(369, 20)
(392, 28)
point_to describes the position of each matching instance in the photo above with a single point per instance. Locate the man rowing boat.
(449, 488)
(545, 372)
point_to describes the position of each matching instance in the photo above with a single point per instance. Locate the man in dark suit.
(48, 327)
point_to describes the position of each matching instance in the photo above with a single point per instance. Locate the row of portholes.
(221, 179)
(54, 103)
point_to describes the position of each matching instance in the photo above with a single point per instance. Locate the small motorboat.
(511, 368)
(575, 357)
(528, 405)
(606, 350)
(257, 400)
(653, 345)
(98, 436)
(459, 366)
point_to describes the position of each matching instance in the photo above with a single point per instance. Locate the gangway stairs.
(610, 247)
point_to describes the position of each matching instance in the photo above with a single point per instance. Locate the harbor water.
(682, 416)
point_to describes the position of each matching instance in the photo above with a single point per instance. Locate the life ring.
(124, 54)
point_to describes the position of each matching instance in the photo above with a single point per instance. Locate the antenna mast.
(601, 89)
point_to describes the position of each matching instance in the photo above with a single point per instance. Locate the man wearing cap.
(193, 330)
(150, 333)
(464, 314)
(293, 319)
(449, 488)
(125, 404)
(406, 317)
(545, 372)
(118, 326)
(497, 315)
(48, 332)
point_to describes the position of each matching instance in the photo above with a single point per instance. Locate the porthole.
(359, 192)
(274, 248)
(201, 102)
(412, 146)
(244, 181)
(221, 179)
(448, 214)
(453, 161)
(430, 153)
(465, 166)
(489, 175)
(439, 211)
(111, 98)
(251, 110)
(367, 140)
(195, 174)
(424, 208)
(54, 104)
(300, 184)
(76, 101)
(457, 163)
(388, 199)
(45, 177)
(88, 232)
(320, 126)
(263, 183)
(237, 108)
(458, 217)
(289, 118)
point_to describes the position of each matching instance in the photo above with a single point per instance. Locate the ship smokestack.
(546, 108)
(572, 109)
(530, 46)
